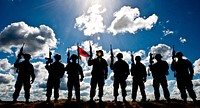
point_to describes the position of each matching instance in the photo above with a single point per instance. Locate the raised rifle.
(19, 56)
(151, 62)
(68, 56)
(132, 58)
(49, 59)
(173, 59)
(111, 55)
(90, 51)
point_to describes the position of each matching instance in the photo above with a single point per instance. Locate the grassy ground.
(104, 104)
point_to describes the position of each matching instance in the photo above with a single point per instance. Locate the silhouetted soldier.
(74, 70)
(183, 76)
(138, 71)
(159, 71)
(121, 72)
(99, 74)
(56, 71)
(25, 71)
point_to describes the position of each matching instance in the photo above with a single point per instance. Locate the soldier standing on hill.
(99, 74)
(183, 76)
(56, 71)
(138, 71)
(74, 70)
(159, 71)
(121, 72)
(25, 70)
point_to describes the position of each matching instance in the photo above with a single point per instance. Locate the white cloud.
(6, 78)
(37, 39)
(4, 64)
(92, 21)
(182, 40)
(167, 32)
(128, 19)
(197, 66)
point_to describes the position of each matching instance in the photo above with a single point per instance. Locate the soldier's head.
(57, 57)
(99, 53)
(74, 57)
(137, 58)
(119, 56)
(158, 57)
(179, 54)
(27, 56)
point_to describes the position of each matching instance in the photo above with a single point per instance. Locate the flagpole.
(78, 52)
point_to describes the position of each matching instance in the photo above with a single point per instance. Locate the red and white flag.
(82, 54)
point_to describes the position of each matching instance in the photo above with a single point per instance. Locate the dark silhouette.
(25, 70)
(99, 74)
(159, 71)
(121, 72)
(138, 71)
(56, 71)
(184, 75)
(74, 70)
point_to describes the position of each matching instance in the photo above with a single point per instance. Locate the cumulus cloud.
(167, 32)
(4, 64)
(6, 78)
(91, 22)
(37, 39)
(182, 40)
(164, 50)
(128, 19)
(197, 66)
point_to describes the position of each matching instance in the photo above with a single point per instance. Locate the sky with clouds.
(137, 26)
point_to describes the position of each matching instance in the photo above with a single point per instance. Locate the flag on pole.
(82, 54)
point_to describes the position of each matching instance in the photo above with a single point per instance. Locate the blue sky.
(141, 26)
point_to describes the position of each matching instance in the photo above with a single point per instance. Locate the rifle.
(19, 56)
(150, 61)
(90, 51)
(173, 58)
(112, 55)
(49, 59)
(68, 56)
(132, 58)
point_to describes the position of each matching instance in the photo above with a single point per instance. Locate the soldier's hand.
(32, 81)
(81, 79)
(144, 80)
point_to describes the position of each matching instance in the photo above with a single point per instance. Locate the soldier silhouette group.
(182, 67)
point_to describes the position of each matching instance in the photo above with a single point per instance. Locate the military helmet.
(57, 56)
(27, 56)
(99, 53)
(179, 54)
(137, 58)
(119, 55)
(74, 56)
(158, 56)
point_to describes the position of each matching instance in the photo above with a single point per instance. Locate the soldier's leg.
(70, 87)
(56, 90)
(165, 88)
(49, 89)
(156, 89)
(27, 87)
(189, 87)
(123, 88)
(142, 90)
(18, 86)
(181, 87)
(77, 90)
(116, 86)
(93, 85)
(134, 89)
(100, 85)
